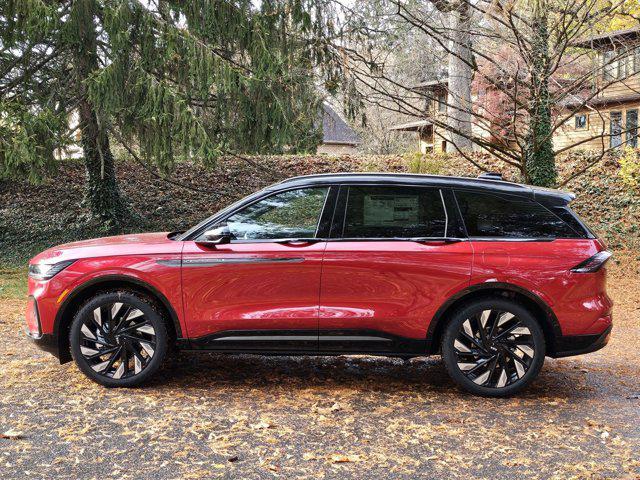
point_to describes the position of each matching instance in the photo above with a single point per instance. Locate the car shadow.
(364, 373)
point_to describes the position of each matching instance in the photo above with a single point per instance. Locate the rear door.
(260, 292)
(396, 253)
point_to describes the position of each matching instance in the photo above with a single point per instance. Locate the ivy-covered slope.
(34, 217)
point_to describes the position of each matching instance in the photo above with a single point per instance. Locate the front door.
(396, 254)
(615, 128)
(259, 292)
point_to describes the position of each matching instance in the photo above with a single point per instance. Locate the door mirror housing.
(218, 235)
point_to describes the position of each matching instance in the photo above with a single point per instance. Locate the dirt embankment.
(33, 217)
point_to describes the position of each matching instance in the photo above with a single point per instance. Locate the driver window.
(290, 214)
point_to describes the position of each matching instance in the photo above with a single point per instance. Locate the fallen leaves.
(11, 435)
(262, 425)
(216, 416)
(342, 458)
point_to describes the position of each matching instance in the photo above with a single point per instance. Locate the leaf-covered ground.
(209, 416)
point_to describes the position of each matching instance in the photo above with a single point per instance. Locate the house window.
(581, 121)
(624, 66)
(615, 129)
(441, 102)
(636, 60)
(632, 128)
(610, 68)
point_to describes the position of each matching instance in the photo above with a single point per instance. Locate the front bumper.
(46, 342)
(33, 330)
(569, 345)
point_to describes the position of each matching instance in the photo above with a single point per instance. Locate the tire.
(129, 328)
(498, 362)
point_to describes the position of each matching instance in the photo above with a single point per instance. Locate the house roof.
(412, 126)
(335, 130)
(442, 82)
(575, 101)
(617, 37)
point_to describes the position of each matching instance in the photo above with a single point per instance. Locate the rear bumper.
(569, 345)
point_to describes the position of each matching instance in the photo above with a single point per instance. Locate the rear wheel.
(493, 347)
(118, 339)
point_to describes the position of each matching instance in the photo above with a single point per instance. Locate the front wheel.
(118, 339)
(493, 347)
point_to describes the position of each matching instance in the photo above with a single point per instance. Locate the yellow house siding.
(336, 149)
(598, 125)
(621, 88)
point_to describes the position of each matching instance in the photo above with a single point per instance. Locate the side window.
(387, 212)
(290, 214)
(581, 121)
(487, 215)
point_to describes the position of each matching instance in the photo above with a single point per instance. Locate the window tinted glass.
(632, 127)
(383, 212)
(487, 215)
(571, 219)
(615, 129)
(291, 214)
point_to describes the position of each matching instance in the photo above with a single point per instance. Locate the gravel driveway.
(209, 416)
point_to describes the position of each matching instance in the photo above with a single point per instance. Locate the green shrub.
(630, 168)
(430, 164)
(372, 165)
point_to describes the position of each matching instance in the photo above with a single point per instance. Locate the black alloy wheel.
(493, 347)
(118, 339)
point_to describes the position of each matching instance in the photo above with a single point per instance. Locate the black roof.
(335, 129)
(545, 195)
(609, 39)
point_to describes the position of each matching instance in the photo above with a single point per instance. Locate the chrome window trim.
(212, 261)
(446, 215)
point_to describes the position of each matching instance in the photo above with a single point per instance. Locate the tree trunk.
(103, 194)
(460, 73)
(539, 157)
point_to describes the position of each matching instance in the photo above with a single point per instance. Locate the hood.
(132, 244)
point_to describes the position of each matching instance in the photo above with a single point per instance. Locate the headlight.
(45, 271)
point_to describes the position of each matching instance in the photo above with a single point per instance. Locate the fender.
(114, 278)
(440, 315)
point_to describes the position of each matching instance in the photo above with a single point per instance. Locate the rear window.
(488, 215)
(387, 212)
(571, 218)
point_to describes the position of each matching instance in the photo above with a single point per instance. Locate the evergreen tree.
(175, 79)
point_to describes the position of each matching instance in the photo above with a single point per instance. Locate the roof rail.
(491, 176)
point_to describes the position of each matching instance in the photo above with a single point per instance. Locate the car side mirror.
(218, 235)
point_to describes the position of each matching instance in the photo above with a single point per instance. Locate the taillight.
(592, 264)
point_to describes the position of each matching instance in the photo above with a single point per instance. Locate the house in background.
(430, 138)
(338, 138)
(610, 118)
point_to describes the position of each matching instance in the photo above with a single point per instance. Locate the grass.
(13, 282)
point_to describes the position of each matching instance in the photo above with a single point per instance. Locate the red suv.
(494, 276)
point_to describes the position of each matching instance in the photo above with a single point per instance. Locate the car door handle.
(437, 239)
(299, 241)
